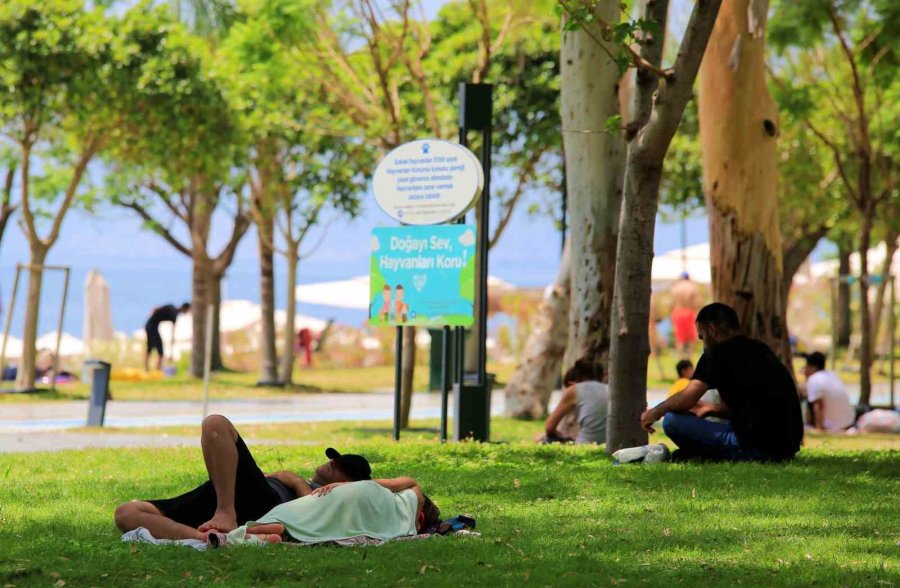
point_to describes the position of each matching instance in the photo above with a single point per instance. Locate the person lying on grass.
(379, 509)
(237, 490)
(759, 399)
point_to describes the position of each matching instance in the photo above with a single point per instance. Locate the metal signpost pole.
(445, 380)
(892, 332)
(398, 374)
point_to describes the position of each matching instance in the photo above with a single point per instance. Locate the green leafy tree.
(303, 163)
(181, 170)
(837, 72)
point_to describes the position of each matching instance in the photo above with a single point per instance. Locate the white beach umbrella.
(69, 345)
(13, 347)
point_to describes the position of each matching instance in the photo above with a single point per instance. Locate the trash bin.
(99, 379)
(472, 408)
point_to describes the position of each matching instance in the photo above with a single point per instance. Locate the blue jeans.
(704, 439)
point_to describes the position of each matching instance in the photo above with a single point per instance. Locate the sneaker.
(645, 453)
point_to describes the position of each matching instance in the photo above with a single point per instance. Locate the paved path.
(33, 441)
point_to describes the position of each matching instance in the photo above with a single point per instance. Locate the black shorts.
(154, 340)
(253, 496)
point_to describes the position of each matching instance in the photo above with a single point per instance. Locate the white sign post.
(427, 182)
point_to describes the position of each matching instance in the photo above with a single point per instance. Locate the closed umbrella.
(97, 311)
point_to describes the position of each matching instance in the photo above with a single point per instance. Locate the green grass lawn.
(549, 516)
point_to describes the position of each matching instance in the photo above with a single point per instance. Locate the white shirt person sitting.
(827, 397)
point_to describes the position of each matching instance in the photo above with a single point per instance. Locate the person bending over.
(237, 490)
(588, 398)
(162, 314)
(759, 398)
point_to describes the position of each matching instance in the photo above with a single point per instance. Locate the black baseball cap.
(356, 467)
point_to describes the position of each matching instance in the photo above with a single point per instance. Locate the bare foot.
(223, 522)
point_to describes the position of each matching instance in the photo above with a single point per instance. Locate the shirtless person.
(401, 307)
(237, 490)
(685, 304)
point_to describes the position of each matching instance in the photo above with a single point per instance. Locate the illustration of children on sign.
(401, 308)
(385, 313)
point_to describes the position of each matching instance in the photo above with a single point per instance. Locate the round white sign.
(427, 182)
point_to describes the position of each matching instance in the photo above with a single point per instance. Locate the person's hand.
(323, 490)
(701, 410)
(648, 417)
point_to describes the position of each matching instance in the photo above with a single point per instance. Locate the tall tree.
(78, 83)
(180, 175)
(595, 161)
(303, 161)
(847, 73)
(738, 128)
(660, 103)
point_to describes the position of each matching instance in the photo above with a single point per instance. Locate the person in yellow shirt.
(685, 370)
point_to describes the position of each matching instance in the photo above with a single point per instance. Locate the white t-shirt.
(838, 412)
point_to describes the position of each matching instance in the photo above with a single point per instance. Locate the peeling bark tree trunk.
(845, 318)
(287, 353)
(407, 371)
(738, 129)
(528, 391)
(268, 366)
(594, 161)
(25, 377)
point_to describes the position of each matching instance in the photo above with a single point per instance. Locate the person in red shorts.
(685, 304)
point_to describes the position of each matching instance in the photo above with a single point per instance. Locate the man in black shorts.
(237, 490)
(162, 314)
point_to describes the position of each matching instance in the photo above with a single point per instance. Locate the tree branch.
(92, 146)
(158, 228)
(674, 92)
(524, 175)
(858, 91)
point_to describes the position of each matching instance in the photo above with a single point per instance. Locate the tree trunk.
(268, 367)
(200, 282)
(594, 161)
(890, 244)
(26, 377)
(865, 318)
(738, 127)
(528, 391)
(631, 307)
(407, 371)
(287, 353)
(795, 254)
(215, 298)
(658, 111)
(844, 316)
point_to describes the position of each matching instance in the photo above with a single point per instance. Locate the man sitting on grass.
(759, 399)
(237, 490)
(831, 407)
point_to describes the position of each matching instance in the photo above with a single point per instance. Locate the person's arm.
(393, 484)
(298, 485)
(680, 402)
(704, 409)
(566, 404)
(818, 407)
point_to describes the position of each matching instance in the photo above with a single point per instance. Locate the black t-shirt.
(163, 314)
(759, 391)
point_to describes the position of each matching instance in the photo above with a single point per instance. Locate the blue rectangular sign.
(422, 276)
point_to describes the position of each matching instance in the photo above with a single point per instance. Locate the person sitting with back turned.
(586, 395)
(759, 398)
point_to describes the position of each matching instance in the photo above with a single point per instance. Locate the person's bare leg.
(268, 532)
(159, 363)
(218, 440)
(147, 362)
(134, 514)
